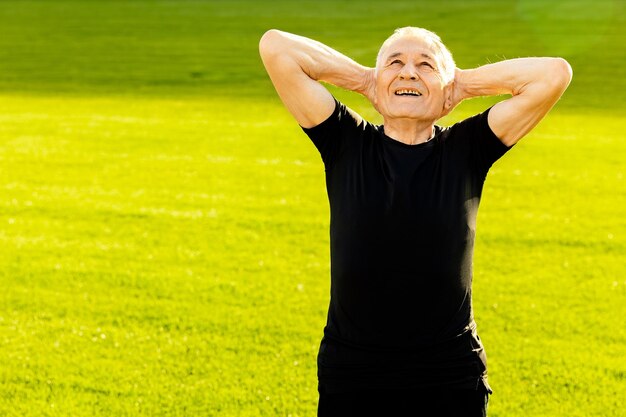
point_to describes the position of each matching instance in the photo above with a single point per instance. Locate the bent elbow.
(269, 42)
(562, 73)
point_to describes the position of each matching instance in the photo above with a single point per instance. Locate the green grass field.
(164, 223)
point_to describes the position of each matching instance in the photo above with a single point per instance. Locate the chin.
(417, 113)
(412, 114)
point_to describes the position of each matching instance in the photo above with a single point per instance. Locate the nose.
(408, 72)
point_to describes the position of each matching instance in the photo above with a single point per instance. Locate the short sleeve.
(490, 147)
(483, 146)
(332, 135)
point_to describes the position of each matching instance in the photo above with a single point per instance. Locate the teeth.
(408, 92)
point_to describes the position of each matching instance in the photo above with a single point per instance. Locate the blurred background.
(164, 223)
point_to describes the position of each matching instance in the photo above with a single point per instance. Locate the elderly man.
(400, 338)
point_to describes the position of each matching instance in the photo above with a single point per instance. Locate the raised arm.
(535, 84)
(295, 64)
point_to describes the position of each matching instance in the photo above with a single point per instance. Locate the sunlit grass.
(161, 265)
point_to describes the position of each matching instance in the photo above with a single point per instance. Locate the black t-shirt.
(402, 227)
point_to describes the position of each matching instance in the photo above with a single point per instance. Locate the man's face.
(408, 81)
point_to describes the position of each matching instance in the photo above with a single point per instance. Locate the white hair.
(442, 54)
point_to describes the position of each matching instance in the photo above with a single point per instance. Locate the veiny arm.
(535, 84)
(295, 64)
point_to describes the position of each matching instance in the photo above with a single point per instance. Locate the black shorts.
(405, 403)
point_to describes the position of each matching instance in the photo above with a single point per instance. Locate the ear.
(447, 96)
(448, 99)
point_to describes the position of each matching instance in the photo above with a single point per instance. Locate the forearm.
(535, 85)
(316, 60)
(514, 77)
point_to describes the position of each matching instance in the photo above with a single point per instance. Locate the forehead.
(407, 45)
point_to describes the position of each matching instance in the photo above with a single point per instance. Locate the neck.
(409, 131)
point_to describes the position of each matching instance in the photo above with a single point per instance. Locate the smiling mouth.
(407, 92)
